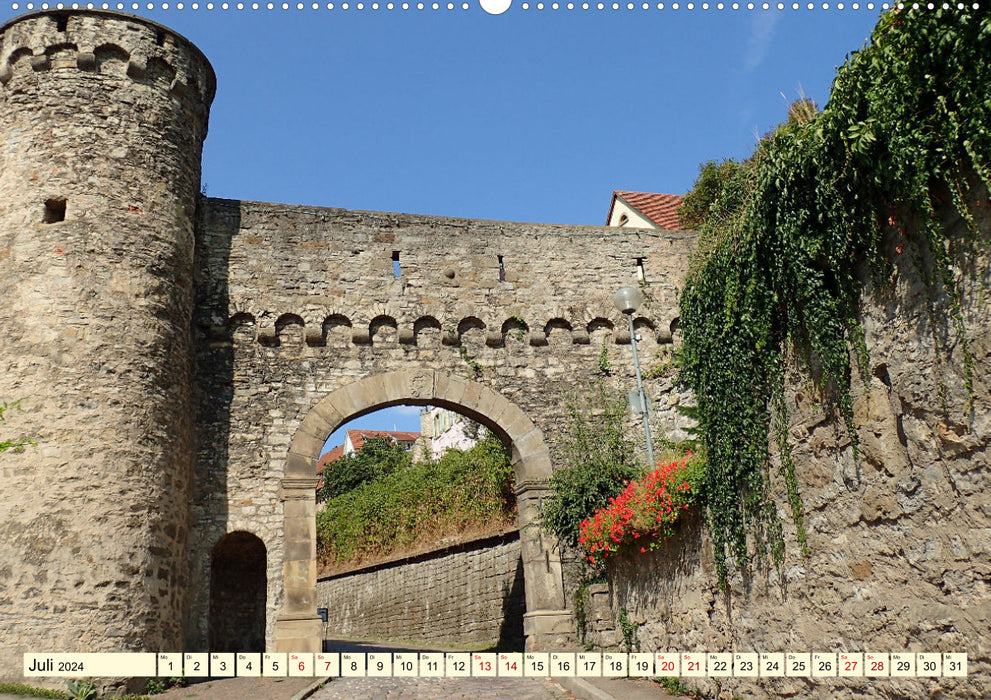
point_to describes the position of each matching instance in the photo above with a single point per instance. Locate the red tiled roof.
(327, 457)
(358, 437)
(662, 209)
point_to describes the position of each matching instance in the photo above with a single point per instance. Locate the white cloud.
(762, 26)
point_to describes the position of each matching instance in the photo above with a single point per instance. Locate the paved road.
(441, 689)
(431, 688)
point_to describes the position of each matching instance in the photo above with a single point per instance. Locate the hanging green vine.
(785, 236)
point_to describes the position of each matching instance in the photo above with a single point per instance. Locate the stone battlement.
(335, 329)
(108, 43)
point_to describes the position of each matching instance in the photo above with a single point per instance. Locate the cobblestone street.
(441, 689)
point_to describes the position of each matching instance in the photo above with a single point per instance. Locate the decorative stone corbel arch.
(546, 623)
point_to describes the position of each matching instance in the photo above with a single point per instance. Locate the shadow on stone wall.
(646, 583)
(214, 354)
(513, 608)
(238, 587)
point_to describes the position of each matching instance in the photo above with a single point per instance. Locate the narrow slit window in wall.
(641, 276)
(502, 270)
(396, 271)
(54, 211)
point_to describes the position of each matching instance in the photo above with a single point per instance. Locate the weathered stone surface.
(174, 352)
(469, 594)
(898, 540)
(250, 272)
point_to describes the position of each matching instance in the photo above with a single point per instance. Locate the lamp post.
(626, 301)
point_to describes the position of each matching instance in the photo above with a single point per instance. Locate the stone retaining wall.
(467, 594)
(899, 540)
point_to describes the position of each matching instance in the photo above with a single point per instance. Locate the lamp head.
(627, 300)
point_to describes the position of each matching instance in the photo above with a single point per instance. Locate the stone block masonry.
(469, 595)
(296, 304)
(899, 539)
(173, 353)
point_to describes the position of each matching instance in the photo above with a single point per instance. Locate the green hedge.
(417, 505)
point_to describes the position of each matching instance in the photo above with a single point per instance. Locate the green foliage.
(521, 328)
(629, 631)
(666, 364)
(155, 686)
(588, 574)
(416, 505)
(377, 458)
(81, 690)
(675, 686)
(17, 444)
(580, 604)
(787, 235)
(718, 194)
(30, 691)
(474, 368)
(603, 365)
(599, 461)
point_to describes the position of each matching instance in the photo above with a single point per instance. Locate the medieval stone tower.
(102, 121)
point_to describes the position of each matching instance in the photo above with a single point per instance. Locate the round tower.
(102, 121)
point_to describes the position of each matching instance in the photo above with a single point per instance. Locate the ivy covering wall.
(789, 238)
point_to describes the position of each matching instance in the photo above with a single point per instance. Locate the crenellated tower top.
(106, 42)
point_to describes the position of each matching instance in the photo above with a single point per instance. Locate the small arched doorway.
(238, 587)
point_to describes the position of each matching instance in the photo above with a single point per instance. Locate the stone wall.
(899, 540)
(295, 303)
(468, 595)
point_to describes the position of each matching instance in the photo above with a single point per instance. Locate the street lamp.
(626, 301)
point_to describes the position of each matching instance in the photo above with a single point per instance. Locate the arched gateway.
(297, 627)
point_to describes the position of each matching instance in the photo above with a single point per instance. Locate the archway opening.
(415, 493)
(546, 623)
(238, 588)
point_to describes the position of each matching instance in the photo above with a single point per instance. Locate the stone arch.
(647, 332)
(111, 59)
(546, 623)
(289, 330)
(241, 326)
(558, 331)
(159, 70)
(382, 330)
(238, 590)
(336, 331)
(471, 329)
(427, 332)
(515, 328)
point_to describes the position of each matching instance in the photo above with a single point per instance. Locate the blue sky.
(531, 115)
